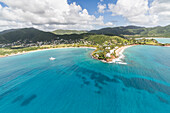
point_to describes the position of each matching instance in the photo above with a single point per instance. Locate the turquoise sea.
(160, 40)
(76, 83)
(163, 40)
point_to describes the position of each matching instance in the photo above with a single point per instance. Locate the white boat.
(52, 58)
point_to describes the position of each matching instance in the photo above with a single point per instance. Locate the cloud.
(101, 8)
(46, 15)
(139, 12)
(161, 8)
(109, 24)
(134, 10)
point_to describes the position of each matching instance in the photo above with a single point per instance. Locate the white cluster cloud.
(161, 8)
(101, 8)
(46, 15)
(139, 12)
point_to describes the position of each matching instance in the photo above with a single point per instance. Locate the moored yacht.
(52, 58)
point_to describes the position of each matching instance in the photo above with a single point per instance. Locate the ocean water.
(163, 40)
(160, 40)
(76, 83)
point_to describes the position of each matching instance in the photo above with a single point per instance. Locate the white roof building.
(97, 55)
(116, 47)
(107, 48)
(112, 51)
(108, 55)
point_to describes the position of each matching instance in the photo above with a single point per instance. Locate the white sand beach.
(24, 52)
(119, 54)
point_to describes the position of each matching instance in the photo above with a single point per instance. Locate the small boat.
(52, 58)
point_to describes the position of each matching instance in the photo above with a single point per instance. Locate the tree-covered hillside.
(100, 39)
(64, 32)
(26, 34)
(32, 35)
(134, 31)
(116, 30)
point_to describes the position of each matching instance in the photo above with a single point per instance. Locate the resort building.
(108, 55)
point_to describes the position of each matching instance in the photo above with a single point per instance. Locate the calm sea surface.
(163, 40)
(76, 83)
(160, 40)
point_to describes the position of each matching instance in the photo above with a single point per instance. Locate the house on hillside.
(112, 51)
(116, 47)
(108, 55)
(107, 48)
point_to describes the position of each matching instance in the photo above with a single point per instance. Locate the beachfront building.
(97, 55)
(112, 51)
(107, 48)
(108, 55)
(116, 47)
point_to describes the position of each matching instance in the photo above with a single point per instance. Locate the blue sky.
(83, 14)
(2, 4)
(91, 6)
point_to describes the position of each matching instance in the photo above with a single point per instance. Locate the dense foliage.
(32, 39)
(33, 35)
(133, 31)
(64, 32)
(26, 34)
(100, 39)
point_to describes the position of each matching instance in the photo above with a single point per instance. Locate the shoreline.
(119, 54)
(120, 50)
(25, 52)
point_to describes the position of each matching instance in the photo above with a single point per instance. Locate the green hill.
(26, 34)
(63, 32)
(116, 30)
(6, 31)
(31, 35)
(136, 31)
(100, 39)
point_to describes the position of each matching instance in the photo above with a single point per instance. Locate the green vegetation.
(100, 39)
(32, 35)
(9, 51)
(15, 50)
(106, 50)
(29, 39)
(68, 32)
(134, 31)
(26, 35)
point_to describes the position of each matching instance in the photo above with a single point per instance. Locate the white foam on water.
(119, 60)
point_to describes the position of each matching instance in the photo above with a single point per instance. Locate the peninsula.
(107, 46)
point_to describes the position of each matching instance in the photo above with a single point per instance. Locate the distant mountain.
(30, 35)
(26, 34)
(116, 30)
(135, 30)
(6, 31)
(64, 32)
(156, 31)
